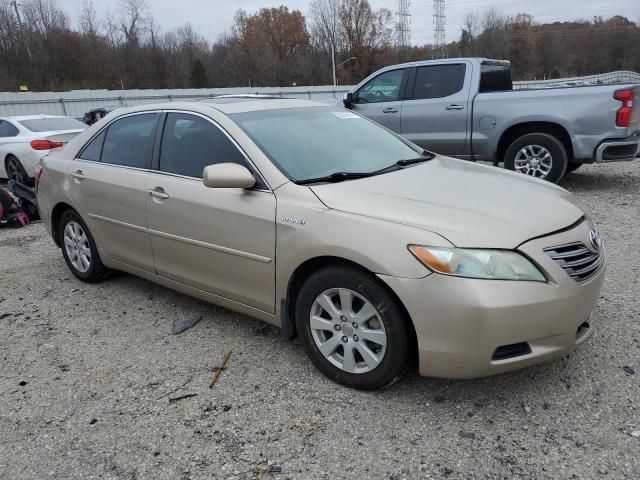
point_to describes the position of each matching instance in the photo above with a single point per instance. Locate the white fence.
(77, 102)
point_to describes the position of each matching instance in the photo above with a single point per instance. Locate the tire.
(92, 271)
(572, 167)
(15, 171)
(385, 343)
(539, 155)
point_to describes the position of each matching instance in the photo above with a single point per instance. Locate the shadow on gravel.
(599, 181)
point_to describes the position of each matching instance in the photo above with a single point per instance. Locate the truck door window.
(438, 81)
(386, 87)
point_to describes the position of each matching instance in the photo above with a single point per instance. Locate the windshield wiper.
(335, 177)
(342, 176)
(405, 162)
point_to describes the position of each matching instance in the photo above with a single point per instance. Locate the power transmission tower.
(403, 28)
(439, 35)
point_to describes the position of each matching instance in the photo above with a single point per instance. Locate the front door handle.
(390, 110)
(158, 192)
(78, 175)
(454, 107)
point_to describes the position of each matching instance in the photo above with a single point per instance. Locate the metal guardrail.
(75, 103)
(622, 76)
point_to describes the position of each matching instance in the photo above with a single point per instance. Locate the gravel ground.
(89, 372)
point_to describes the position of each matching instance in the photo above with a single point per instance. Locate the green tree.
(198, 75)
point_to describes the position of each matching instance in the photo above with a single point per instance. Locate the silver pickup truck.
(467, 108)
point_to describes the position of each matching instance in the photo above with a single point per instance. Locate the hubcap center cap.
(534, 162)
(347, 329)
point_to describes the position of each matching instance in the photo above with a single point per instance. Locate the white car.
(24, 140)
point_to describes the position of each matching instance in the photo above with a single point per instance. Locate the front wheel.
(538, 155)
(352, 328)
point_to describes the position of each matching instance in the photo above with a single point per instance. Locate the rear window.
(439, 81)
(495, 78)
(52, 124)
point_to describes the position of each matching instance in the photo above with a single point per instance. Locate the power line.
(439, 34)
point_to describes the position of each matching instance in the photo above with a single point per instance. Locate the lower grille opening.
(510, 351)
(582, 330)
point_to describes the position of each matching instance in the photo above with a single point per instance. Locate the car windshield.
(52, 124)
(314, 142)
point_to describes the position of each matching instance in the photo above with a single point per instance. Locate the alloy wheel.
(76, 244)
(348, 330)
(14, 172)
(534, 160)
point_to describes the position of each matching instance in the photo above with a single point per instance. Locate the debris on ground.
(633, 432)
(629, 370)
(182, 397)
(184, 323)
(218, 369)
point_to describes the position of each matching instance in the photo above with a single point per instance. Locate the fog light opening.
(506, 352)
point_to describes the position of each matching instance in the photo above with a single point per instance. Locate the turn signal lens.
(476, 263)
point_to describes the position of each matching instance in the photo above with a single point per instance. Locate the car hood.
(471, 205)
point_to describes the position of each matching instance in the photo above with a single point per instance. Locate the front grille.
(577, 260)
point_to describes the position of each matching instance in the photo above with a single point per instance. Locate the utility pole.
(439, 34)
(14, 3)
(403, 28)
(333, 64)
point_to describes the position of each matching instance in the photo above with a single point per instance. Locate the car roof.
(225, 105)
(19, 118)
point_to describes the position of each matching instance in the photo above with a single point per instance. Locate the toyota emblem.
(595, 239)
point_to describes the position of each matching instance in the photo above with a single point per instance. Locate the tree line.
(126, 47)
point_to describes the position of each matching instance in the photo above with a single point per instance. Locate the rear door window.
(438, 81)
(7, 130)
(190, 143)
(93, 150)
(129, 141)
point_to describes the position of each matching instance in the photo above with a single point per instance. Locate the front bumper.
(462, 323)
(618, 150)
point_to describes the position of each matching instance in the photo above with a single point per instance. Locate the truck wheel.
(539, 155)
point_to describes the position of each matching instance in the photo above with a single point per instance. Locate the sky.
(211, 18)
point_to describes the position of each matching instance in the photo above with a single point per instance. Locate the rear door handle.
(390, 110)
(78, 175)
(454, 107)
(158, 192)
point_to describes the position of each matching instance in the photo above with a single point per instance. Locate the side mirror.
(227, 175)
(349, 99)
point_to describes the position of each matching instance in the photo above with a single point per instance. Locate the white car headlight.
(475, 263)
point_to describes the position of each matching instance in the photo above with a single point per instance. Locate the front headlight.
(474, 263)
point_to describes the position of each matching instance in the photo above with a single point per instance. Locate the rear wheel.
(352, 328)
(16, 172)
(79, 249)
(538, 155)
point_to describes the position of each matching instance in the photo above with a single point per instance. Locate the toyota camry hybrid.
(371, 250)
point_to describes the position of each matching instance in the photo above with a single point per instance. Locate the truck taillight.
(45, 144)
(624, 113)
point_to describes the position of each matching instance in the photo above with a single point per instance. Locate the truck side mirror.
(348, 99)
